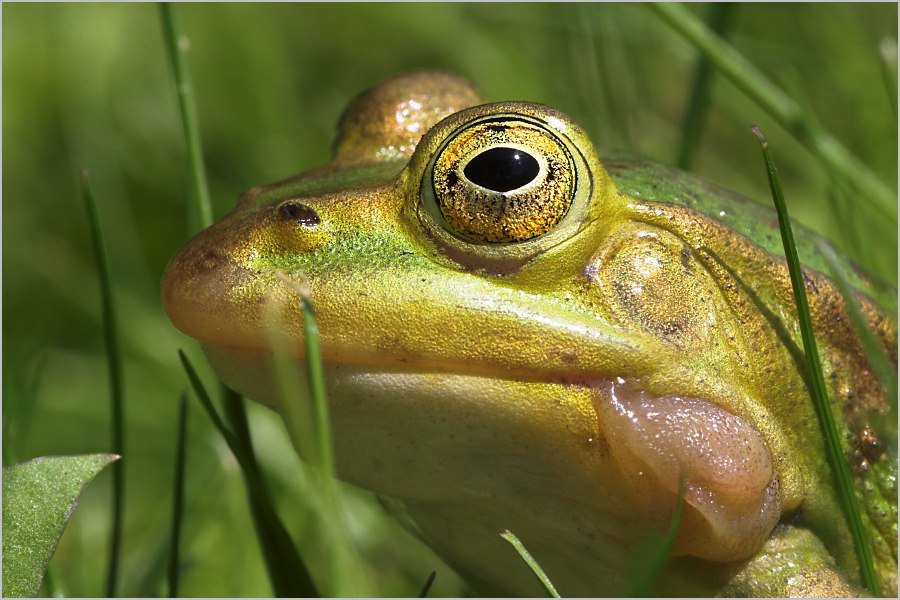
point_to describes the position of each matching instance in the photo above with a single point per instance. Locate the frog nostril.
(302, 214)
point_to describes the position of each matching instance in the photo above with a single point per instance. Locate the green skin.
(556, 385)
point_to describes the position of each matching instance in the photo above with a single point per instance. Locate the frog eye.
(503, 181)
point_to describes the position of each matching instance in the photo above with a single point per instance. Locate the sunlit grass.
(288, 573)
(199, 206)
(653, 566)
(833, 155)
(312, 433)
(839, 468)
(178, 498)
(116, 389)
(532, 564)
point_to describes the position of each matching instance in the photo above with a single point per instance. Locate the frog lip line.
(383, 362)
(219, 322)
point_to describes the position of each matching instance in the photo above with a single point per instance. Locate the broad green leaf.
(39, 496)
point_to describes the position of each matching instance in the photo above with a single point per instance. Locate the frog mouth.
(731, 495)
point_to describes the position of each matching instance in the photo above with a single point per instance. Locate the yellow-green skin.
(475, 385)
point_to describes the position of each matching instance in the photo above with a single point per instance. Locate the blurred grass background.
(89, 86)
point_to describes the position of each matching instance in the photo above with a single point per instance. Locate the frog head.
(511, 341)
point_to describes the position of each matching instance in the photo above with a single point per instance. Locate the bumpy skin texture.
(488, 386)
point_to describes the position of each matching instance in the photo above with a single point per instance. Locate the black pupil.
(502, 169)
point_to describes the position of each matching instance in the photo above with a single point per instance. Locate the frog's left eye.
(502, 181)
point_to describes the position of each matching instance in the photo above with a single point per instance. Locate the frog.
(519, 333)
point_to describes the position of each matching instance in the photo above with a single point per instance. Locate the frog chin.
(731, 492)
(569, 461)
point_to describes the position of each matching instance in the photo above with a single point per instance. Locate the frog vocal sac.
(521, 333)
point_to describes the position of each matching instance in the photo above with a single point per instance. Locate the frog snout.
(198, 285)
(214, 287)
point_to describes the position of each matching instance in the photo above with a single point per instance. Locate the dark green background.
(89, 86)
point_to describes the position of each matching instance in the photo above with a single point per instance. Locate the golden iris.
(503, 181)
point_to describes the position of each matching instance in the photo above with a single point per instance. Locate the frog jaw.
(610, 452)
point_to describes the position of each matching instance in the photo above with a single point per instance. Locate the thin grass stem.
(721, 17)
(236, 415)
(657, 562)
(199, 208)
(756, 86)
(532, 564)
(207, 404)
(281, 557)
(888, 51)
(287, 571)
(841, 472)
(52, 584)
(345, 567)
(428, 583)
(317, 388)
(852, 225)
(114, 362)
(178, 497)
(316, 442)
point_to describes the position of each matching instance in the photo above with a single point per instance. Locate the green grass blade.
(23, 380)
(316, 442)
(236, 415)
(532, 564)
(114, 360)
(853, 229)
(881, 364)
(323, 450)
(53, 587)
(654, 566)
(753, 83)
(178, 497)
(721, 17)
(207, 404)
(888, 51)
(199, 208)
(317, 387)
(841, 472)
(287, 571)
(428, 583)
(345, 566)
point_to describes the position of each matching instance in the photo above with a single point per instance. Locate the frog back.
(646, 180)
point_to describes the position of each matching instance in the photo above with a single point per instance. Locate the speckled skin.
(469, 382)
